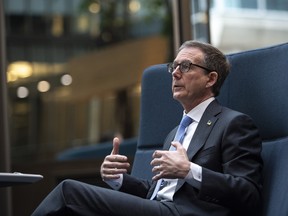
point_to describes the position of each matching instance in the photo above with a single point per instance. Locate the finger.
(116, 158)
(120, 165)
(110, 177)
(116, 144)
(156, 169)
(156, 177)
(155, 162)
(177, 145)
(112, 162)
(114, 171)
(157, 154)
(154, 154)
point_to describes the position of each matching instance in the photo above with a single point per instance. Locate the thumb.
(116, 144)
(177, 145)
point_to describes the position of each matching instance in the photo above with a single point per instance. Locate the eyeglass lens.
(183, 66)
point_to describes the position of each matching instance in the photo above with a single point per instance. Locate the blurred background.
(72, 71)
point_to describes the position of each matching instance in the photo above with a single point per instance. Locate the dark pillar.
(5, 193)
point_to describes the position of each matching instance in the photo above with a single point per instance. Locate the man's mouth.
(177, 86)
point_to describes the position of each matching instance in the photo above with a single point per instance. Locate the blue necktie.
(180, 134)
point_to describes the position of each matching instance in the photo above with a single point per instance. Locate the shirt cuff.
(115, 183)
(195, 172)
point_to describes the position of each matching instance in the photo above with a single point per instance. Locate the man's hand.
(170, 164)
(114, 164)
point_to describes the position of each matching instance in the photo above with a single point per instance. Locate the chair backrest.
(159, 114)
(257, 86)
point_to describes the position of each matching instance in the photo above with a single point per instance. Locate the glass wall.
(74, 66)
(74, 70)
(238, 25)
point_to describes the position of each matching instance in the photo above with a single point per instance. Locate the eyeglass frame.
(171, 69)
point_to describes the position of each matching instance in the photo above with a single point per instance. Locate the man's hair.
(214, 59)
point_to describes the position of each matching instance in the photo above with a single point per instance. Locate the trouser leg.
(76, 198)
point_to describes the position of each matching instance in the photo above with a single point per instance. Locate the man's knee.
(68, 188)
(56, 202)
(68, 184)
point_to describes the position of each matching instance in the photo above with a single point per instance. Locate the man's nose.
(177, 72)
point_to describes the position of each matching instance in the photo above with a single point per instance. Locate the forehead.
(193, 54)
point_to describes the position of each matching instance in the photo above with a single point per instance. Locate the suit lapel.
(169, 139)
(204, 128)
(202, 132)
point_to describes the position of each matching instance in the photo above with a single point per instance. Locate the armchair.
(257, 85)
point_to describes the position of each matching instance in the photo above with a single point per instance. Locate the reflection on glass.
(19, 69)
(66, 79)
(22, 92)
(43, 86)
(238, 25)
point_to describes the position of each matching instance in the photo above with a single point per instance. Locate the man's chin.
(177, 96)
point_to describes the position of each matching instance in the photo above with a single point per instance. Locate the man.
(213, 169)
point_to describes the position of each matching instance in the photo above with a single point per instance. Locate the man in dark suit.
(214, 170)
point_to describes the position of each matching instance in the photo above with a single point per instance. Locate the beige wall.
(115, 67)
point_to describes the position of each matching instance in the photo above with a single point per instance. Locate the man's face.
(192, 87)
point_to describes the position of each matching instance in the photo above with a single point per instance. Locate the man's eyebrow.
(184, 60)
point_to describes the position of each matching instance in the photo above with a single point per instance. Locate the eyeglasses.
(184, 66)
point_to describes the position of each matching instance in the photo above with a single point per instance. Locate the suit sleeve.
(135, 186)
(236, 182)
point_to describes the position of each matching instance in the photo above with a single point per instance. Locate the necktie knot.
(181, 132)
(186, 121)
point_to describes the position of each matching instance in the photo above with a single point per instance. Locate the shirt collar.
(197, 112)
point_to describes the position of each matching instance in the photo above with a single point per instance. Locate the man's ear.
(212, 78)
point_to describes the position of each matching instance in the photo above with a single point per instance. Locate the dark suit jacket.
(227, 145)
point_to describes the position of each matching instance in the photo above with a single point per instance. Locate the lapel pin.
(209, 122)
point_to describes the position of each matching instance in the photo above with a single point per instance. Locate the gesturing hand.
(114, 164)
(170, 164)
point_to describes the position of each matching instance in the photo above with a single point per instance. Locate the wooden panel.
(116, 66)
